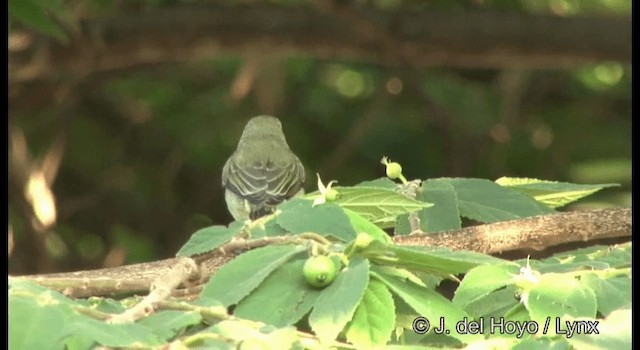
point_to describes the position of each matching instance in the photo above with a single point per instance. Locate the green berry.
(394, 170)
(332, 195)
(319, 271)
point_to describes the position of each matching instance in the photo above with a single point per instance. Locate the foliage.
(383, 294)
(34, 14)
(144, 145)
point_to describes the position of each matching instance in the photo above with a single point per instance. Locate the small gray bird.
(262, 172)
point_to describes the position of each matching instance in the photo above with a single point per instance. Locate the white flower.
(326, 193)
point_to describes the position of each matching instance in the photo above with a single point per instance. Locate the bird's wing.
(247, 182)
(264, 182)
(284, 181)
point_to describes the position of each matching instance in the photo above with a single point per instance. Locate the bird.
(262, 172)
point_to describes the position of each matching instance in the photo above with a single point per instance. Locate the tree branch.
(188, 33)
(538, 232)
(535, 232)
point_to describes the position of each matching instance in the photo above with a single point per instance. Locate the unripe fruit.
(332, 195)
(394, 170)
(319, 271)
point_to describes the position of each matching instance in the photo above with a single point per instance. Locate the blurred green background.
(131, 158)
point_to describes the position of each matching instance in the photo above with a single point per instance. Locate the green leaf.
(541, 344)
(493, 343)
(168, 323)
(34, 326)
(611, 293)
(552, 193)
(483, 280)
(284, 338)
(378, 205)
(374, 319)
(485, 201)
(236, 329)
(32, 14)
(594, 257)
(495, 304)
(557, 295)
(282, 299)
(243, 274)
(435, 260)
(383, 182)
(107, 305)
(256, 336)
(269, 229)
(38, 316)
(208, 239)
(112, 335)
(42, 295)
(328, 219)
(361, 224)
(338, 301)
(614, 332)
(428, 303)
(444, 215)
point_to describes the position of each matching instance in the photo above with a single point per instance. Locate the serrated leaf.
(614, 332)
(428, 303)
(167, 323)
(42, 295)
(38, 316)
(237, 329)
(435, 260)
(240, 276)
(207, 239)
(408, 347)
(277, 303)
(361, 224)
(254, 335)
(33, 326)
(541, 344)
(374, 319)
(483, 280)
(495, 304)
(284, 338)
(444, 215)
(406, 274)
(107, 305)
(611, 293)
(112, 335)
(328, 219)
(337, 302)
(518, 313)
(552, 193)
(383, 182)
(595, 257)
(485, 201)
(493, 343)
(557, 295)
(378, 205)
(269, 229)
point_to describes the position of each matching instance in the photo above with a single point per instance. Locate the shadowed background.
(122, 114)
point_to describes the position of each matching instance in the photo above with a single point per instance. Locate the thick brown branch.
(185, 33)
(537, 232)
(140, 277)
